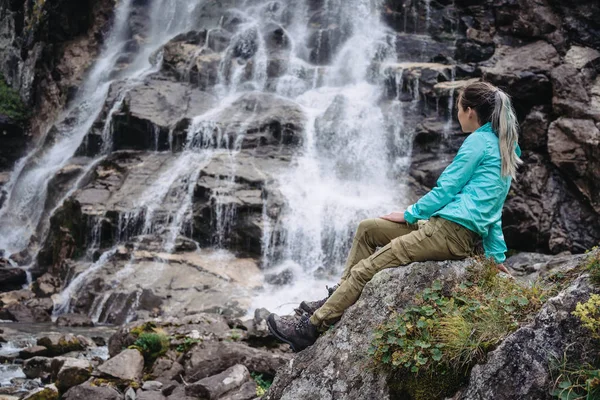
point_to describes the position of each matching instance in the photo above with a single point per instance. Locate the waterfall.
(354, 154)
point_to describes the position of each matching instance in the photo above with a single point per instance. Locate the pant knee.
(362, 272)
(365, 226)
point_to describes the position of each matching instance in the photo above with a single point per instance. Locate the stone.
(141, 395)
(152, 385)
(22, 313)
(165, 370)
(12, 278)
(581, 57)
(130, 394)
(33, 351)
(49, 392)
(211, 358)
(152, 110)
(88, 391)
(58, 344)
(524, 78)
(70, 372)
(245, 392)
(570, 97)
(573, 145)
(127, 365)
(214, 386)
(74, 320)
(534, 130)
(332, 366)
(16, 296)
(38, 367)
(526, 353)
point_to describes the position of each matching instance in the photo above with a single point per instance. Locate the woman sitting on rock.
(465, 204)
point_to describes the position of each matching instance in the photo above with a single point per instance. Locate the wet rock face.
(45, 50)
(13, 142)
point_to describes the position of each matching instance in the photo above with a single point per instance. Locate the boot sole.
(271, 325)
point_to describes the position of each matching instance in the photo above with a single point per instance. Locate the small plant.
(152, 345)
(575, 382)
(589, 314)
(593, 266)
(10, 103)
(262, 384)
(187, 344)
(448, 333)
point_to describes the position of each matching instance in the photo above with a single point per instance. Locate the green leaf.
(522, 301)
(437, 285)
(564, 384)
(436, 354)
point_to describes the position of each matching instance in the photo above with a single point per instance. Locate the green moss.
(45, 394)
(11, 104)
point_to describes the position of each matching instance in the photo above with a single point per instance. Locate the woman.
(465, 204)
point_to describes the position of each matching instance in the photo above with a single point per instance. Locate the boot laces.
(302, 323)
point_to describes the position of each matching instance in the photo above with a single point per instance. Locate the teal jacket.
(471, 192)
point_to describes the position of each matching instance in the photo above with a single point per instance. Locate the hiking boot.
(309, 307)
(299, 333)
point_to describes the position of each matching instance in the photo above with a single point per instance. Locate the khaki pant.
(401, 244)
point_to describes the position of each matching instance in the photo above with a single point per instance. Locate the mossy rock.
(44, 394)
(426, 386)
(63, 345)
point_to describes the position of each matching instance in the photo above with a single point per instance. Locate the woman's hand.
(502, 268)
(394, 217)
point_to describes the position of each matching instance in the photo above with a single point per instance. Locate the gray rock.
(334, 366)
(150, 395)
(581, 57)
(573, 145)
(33, 351)
(69, 372)
(38, 367)
(534, 130)
(127, 365)
(519, 367)
(152, 385)
(87, 391)
(12, 278)
(58, 344)
(74, 320)
(49, 392)
(214, 386)
(211, 358)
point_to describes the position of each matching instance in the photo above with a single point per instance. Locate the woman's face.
(466, 117)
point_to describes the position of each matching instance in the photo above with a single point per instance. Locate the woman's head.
(482, 102)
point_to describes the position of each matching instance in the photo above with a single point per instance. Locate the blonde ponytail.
(504, 122)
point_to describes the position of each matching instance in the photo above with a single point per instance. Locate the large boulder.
(214, 357)
(574, 147)
(520, 367)
(127, 365)
(338, 365)
(525, 78)
(334, 367)
(90, 391)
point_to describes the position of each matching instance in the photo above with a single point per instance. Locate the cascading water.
(355, 148)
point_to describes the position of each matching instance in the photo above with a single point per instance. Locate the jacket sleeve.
(452, 180)
(493, 244)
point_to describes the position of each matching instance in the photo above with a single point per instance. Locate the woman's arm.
(493, 244)
(451, 181)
